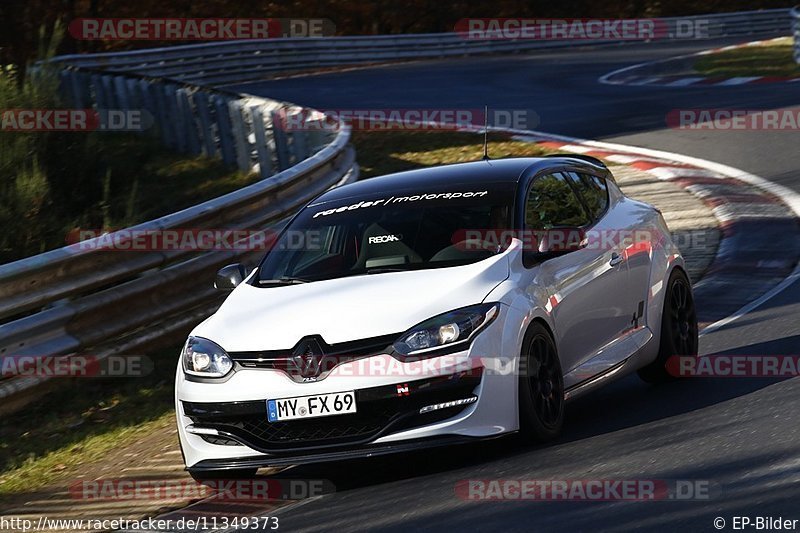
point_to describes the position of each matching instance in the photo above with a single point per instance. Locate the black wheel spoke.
(545, 380)
(682, 318)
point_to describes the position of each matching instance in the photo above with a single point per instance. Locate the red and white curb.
(759, 248)
(627, 76)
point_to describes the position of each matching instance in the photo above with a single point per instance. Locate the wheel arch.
(543, 322)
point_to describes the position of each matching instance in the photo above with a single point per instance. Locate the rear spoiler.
(583, 157)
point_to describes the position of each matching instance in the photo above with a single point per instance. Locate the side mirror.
(229, 277)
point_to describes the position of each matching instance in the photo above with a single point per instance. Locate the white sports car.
(430, 308)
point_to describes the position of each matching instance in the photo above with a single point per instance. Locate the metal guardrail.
(196, 120)
(796, 31)
(92, 300)
(97, 301)
(241, 61)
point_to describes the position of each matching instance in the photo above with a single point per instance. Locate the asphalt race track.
(740, 435)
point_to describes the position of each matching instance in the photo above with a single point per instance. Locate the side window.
(594, 192)
(553, 203)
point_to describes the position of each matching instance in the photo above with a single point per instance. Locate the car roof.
(494, 171)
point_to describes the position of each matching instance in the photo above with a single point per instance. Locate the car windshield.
(411, 230)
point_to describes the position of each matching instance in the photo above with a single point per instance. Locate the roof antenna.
(486, 133)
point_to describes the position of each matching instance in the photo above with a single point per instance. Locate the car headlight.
(455, 327)
(201, 357)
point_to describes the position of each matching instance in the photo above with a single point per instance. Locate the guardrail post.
(121, 90)
(314, 138)
(148, 102)
(293, 129)
(318, 133)
(134, 93)
(262, 148)
(281, 142)
(188, 122)
(65, 88)
(224, 130)
(162, 114)
(300, 144)
(108, 91)
(99, 95)
(241, 137)
(203, 108)
(79, 92)
(175, 117)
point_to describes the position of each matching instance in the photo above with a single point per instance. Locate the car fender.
(520, 308)
(666, 258)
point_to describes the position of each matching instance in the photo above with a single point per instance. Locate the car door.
(586, 286)
(629, 236)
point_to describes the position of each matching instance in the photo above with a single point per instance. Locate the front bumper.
(232, 414)
(381, 410)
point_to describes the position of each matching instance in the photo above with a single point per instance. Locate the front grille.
(334, 355)
(314, 430)
(380, 411)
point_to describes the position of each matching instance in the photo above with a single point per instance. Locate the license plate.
(338, 403)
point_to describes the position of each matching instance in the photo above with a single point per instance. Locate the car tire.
(541, 386)
(679, 332)
(210, 475)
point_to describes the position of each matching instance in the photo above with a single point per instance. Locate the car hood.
(345, 309)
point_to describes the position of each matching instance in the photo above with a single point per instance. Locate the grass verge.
(384, 152)
(80, 422)
(772, 59)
